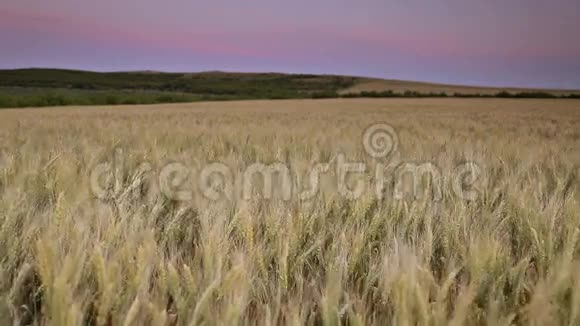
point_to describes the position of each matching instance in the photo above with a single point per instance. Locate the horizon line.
(370, 78)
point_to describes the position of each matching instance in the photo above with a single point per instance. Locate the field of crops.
(317, 212)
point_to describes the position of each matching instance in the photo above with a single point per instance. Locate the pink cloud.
(73, 29)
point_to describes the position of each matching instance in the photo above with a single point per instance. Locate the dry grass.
(400, 86)
(512, 256)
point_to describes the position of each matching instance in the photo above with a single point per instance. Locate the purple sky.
(482, 42)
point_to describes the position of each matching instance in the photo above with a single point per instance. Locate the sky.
(527, 43)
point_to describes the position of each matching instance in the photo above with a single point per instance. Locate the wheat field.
(509, 255)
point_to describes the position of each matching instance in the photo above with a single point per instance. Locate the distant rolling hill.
(215, 83)
(58, 87)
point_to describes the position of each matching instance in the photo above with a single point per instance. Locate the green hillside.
(58, 87)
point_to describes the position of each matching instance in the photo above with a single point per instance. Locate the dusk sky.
(480, 42)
